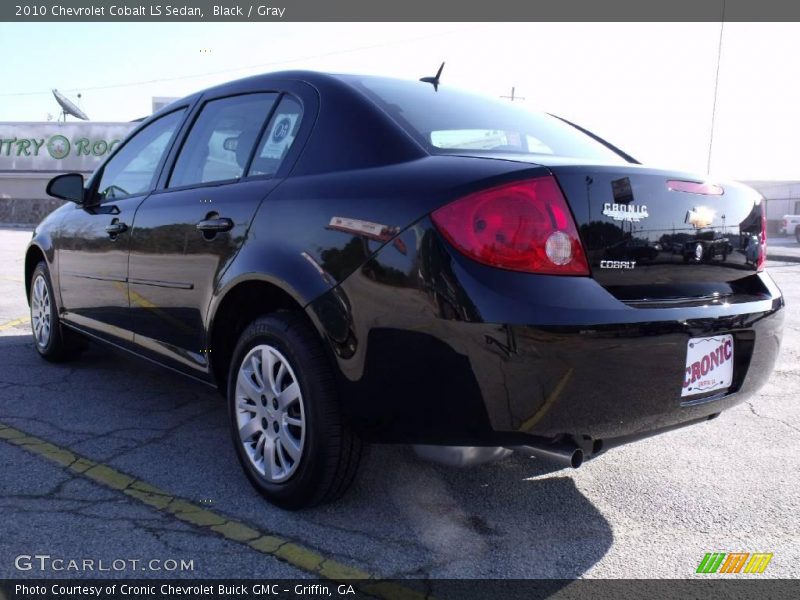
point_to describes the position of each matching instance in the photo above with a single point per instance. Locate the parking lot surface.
(647, 510)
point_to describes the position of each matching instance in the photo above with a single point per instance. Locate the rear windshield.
(451, 121)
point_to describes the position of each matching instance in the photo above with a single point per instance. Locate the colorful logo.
(734, 562)
(58, 147)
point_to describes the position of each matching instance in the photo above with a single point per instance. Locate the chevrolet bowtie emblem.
(700, 217)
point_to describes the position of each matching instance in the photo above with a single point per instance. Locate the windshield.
(450, 121)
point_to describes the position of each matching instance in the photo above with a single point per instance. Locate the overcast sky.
(648, 88)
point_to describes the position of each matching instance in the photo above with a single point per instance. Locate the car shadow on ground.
(517, 518)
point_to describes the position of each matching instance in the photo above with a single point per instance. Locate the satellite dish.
(69, 107)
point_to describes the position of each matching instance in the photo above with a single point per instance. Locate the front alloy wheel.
(41, 311)
(52, 341)
(269, 413)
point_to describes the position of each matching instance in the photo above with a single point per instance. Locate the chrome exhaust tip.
(564, 454)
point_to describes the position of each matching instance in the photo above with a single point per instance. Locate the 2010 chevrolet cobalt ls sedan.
(357, 259)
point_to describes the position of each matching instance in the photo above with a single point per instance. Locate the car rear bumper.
(471, 355)
(598, 387)
(625, 381)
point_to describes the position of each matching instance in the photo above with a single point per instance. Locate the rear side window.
(278, 137)
(221, 140)
(451, 121)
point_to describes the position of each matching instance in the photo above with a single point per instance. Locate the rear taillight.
(521, 226)
(762, 256)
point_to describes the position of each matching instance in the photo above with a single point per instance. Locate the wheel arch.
(33, 256)
(241, 303)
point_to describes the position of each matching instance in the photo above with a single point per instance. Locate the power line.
(234, 70)
(716, 88)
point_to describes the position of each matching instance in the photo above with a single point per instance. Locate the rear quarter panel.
(313, 231)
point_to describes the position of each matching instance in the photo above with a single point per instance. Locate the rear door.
(188, 232)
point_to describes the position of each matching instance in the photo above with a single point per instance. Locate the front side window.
(132, 170)
(221, 140)
(278, 137)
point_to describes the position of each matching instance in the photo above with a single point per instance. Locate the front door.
(94, 239)
(188, 233)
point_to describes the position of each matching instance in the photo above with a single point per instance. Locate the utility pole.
(513, 95)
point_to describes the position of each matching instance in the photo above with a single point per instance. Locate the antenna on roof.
(434, 80)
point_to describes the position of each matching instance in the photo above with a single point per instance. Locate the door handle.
(116, 227)
(215, 225)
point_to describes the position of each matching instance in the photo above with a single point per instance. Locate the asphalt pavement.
(112, 458)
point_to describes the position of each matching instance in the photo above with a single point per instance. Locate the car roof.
(307, 76)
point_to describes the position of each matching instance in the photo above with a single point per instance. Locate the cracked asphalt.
(647, 510)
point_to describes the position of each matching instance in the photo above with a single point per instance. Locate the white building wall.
(783, 198)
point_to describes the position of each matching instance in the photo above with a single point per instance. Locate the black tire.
(61, 344)
(331, 451)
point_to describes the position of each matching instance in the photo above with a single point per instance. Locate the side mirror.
(67, 187)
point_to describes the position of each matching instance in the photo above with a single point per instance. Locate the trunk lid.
(658, 236)
(649, 243)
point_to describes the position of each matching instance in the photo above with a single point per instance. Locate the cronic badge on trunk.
(625, 212)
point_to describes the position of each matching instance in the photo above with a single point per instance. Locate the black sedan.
(354, 259)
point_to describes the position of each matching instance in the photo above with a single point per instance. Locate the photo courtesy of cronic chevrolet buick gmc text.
(361, 259)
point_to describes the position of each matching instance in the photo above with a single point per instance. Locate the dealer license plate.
(709, 365)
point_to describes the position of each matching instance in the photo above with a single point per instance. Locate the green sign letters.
(57, 146)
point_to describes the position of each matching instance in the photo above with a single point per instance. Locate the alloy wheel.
(41, 312)
(270, 415)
